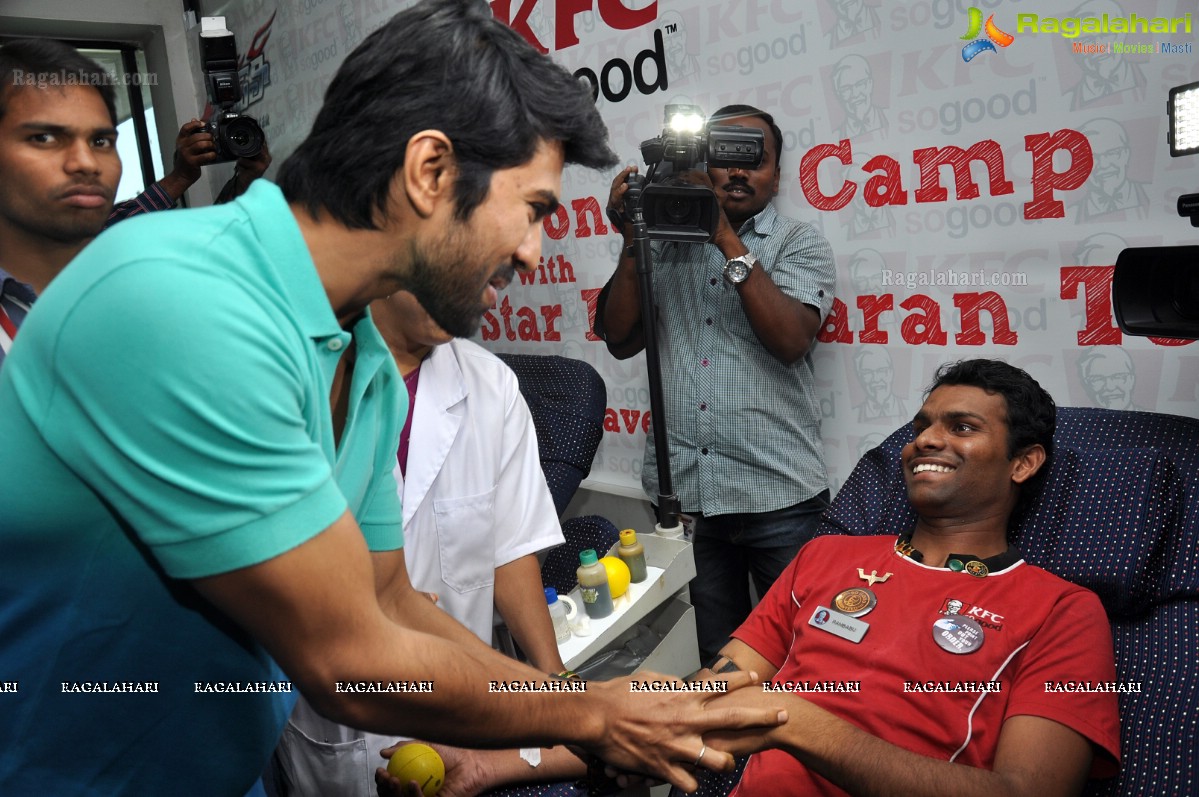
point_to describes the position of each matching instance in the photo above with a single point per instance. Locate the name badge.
(841, 625)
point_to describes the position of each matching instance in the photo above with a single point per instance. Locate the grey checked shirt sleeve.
(803, 268)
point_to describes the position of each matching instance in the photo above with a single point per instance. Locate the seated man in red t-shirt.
(936, 662)
(933, 663)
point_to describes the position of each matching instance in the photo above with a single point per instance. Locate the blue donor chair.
(1119, 515)
(567, 399)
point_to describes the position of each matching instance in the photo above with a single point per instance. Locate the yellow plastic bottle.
(633, 554)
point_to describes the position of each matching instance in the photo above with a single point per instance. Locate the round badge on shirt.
(855, 601)
(958, 634)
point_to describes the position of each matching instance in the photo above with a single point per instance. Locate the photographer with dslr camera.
(194, 148)
(737, 318)
(225, 136)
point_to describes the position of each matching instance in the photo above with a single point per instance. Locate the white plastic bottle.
(561, 610)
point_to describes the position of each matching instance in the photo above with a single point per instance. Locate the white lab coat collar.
(435, 423)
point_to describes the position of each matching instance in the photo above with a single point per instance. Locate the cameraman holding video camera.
(737, 318)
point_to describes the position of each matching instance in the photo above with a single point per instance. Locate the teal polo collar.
(284, 244)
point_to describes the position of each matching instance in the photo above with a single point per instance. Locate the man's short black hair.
(445, 65)
(735, 111)
(1031, 414)
(42, 63)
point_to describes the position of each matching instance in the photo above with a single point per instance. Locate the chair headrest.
(567, 399)
(1121, 519)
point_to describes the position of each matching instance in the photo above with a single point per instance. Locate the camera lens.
(679, 211)
(676, 210)
(241, 137)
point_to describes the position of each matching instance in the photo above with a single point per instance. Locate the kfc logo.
(985, 618)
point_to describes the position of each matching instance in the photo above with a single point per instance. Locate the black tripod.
(668, 507)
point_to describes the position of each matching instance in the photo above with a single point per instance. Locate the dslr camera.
(674, 209)
(235, 135)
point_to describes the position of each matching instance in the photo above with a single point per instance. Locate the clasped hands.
(666, 735)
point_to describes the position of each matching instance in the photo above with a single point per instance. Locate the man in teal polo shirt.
(200, 419)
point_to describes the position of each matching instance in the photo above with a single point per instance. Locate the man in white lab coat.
(476, 512)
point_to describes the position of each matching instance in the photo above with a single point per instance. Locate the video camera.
(235, 135)
(674, 209)
(1155, 289)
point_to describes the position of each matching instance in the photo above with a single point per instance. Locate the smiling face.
(875, 372)
(1109, 143)
(847, 10)
(59, 164)
(1109, 379)
(1099, 61)
(866, 272)
(676, 43)
(854, 85)
(958, 465)
(457, 274)
(743, 193)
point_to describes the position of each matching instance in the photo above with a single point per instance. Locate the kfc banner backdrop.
(977, 166)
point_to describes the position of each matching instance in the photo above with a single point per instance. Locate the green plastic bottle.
(593, 584)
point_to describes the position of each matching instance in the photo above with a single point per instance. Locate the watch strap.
(617, 217)
(747, 260)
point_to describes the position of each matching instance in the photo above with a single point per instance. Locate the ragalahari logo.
(978, 45)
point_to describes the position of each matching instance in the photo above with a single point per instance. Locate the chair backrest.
(1119, 515)
(567, 399)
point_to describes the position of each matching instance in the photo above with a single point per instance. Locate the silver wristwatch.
(736, 271)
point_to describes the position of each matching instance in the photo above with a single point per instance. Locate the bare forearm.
(236, 185)
(408, 608)
(412, 609)
(866, 766)
(352, 645)
(521, 602)
(471, 771)
(505, 767)
(1036, 758)
(470, 701)
(622, 311)
(315, 610)
(176, 184)
(784, 325)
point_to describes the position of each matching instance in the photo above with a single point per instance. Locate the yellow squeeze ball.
(418, 762)
(618, 575)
